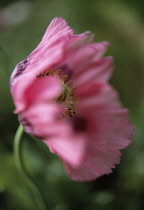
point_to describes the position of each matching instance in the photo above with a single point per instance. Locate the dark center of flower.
(79, 124)
(67, 96)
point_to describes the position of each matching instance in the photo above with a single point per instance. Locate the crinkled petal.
(48, 53)
(86, 55)
(99, 70)
(40, 60)
(77, 41)
(109, 123)
(58, 27)
(98, 161)
(113, 128)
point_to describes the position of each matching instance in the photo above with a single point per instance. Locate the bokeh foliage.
(121, 22)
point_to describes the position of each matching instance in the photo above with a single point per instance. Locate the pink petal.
(47, 56)
(43, 90)
(39, 119)
(77, 41)
(49, 52)
(84, 56)
(99, 70)
(57, 27)
(108, 122)
(98, 161)
(89, 90)
(102, 95)
(113, 128)
(70, 149)
(40, 60)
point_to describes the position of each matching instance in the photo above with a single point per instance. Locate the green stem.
(20, 165)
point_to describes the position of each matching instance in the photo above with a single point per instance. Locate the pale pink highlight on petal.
(38, 90)
(69, 149)
(38, 119)
(43, 90)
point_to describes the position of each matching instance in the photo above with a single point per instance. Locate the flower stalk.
(18, 144)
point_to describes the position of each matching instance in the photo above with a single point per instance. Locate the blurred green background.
(121, 22)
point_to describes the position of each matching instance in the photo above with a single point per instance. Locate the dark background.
(121, 22)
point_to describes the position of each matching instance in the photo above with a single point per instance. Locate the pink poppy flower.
(62, 97)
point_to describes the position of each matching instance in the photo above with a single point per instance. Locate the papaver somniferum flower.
(62, 97)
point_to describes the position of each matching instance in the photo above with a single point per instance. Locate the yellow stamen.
(67, 96)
